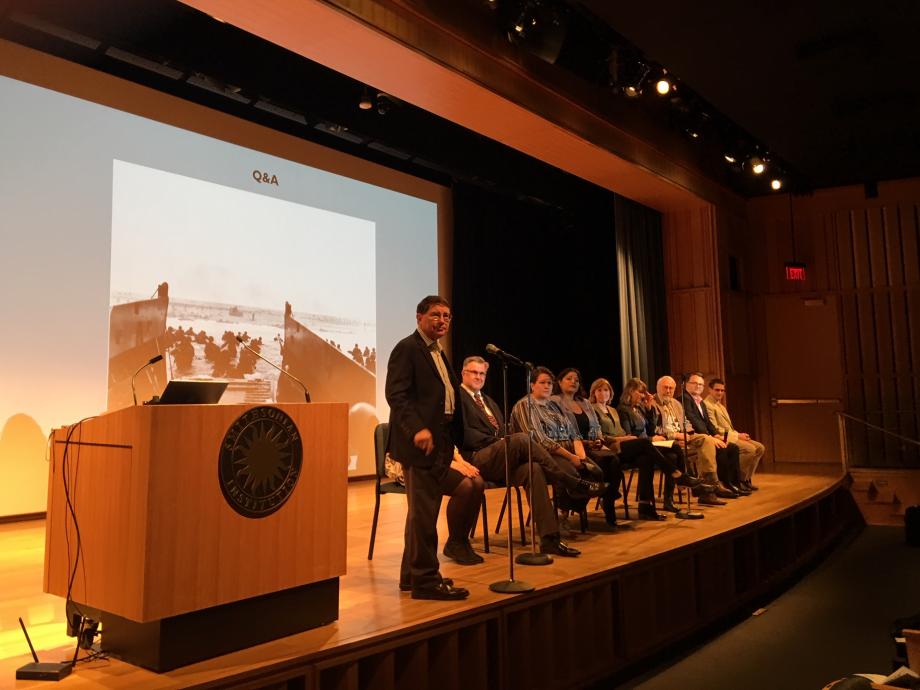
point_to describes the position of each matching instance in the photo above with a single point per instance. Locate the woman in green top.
(636, 451)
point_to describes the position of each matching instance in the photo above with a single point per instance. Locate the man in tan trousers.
(751, 451)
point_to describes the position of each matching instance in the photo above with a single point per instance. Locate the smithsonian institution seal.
(260, 461)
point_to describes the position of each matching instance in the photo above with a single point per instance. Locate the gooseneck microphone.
(507, 356)
(153, 360)
(306, 394)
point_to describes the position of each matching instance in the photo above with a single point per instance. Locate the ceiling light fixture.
(663, 86)
(366, 103)
(757, 165)
(526, 21)
(776, 184)
(633, 89)
(384, 103)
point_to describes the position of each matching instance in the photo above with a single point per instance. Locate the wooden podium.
(178, 560)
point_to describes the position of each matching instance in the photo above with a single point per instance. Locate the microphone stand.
(153, 360)
(688, 513)
(306, 395)
(509, 586)
(534, 557)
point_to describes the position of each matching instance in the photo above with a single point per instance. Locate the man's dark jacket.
(415, 393)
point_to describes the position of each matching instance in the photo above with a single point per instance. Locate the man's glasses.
(474, 373)
(439, 317)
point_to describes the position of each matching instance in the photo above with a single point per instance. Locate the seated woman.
(465, 487)
(635, 440)
(551, 428)
(569, 396)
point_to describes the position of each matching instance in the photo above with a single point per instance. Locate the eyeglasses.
(439, 317)
(471, 372)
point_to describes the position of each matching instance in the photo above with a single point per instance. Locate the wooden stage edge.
(631, 595)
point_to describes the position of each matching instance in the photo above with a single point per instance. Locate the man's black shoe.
(586, 489)
(750, 487)
(711, 500)
(582, 489)
(740, 490)
(723, 492)
(687, 480)
(462, 553)
(441, 593)
(648, 512)
(669, 507)
(703, 489)
(556, 547)
(403, 587)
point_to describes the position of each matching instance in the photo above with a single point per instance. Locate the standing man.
(751, 450)
(422, 393)
(483, 430)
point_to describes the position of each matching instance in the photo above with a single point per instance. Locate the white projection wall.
(100, 206)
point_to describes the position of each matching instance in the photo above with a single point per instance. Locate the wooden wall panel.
(692, 287)
(866, 252)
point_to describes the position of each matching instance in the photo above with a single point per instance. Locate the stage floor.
(371, 605)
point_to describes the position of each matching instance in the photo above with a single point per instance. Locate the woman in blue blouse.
(559, 435)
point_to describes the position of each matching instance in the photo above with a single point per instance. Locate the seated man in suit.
(727, 454)
(483, 429)
(751, 450)
(701, 446)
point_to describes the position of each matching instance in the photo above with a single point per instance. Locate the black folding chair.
(383, 485)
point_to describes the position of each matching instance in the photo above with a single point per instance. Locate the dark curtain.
(537, 281)
(642, 306)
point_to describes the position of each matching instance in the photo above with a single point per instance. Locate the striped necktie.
(482, 406)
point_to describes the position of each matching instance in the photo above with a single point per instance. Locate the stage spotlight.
(663, 86)
(776, 184)
(730, 159)
(633, 87)
(384, 103)
(366, 103)
(757, 165)
(526, 21)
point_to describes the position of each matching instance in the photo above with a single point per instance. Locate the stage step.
(884, 494)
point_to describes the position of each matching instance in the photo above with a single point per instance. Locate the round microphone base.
(511, 587)
(684, 514)
(533, 559)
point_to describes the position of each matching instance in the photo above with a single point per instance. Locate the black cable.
(71, 508)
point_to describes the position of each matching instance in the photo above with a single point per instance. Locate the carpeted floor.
(833, 622)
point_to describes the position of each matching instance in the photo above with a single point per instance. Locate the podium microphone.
(306, 394)
(507, 356)
(153, 360)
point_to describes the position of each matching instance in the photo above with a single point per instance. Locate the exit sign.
(795, 271)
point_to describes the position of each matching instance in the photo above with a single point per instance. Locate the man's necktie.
(478, 398)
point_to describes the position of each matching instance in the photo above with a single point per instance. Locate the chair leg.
(584, 520)
(626, 493)
(485, 525)
(501, 513)
(517, 490)
(370, 550)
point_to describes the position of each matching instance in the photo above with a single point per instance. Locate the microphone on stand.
(153, 360)
(306, 394)
(507, 356)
